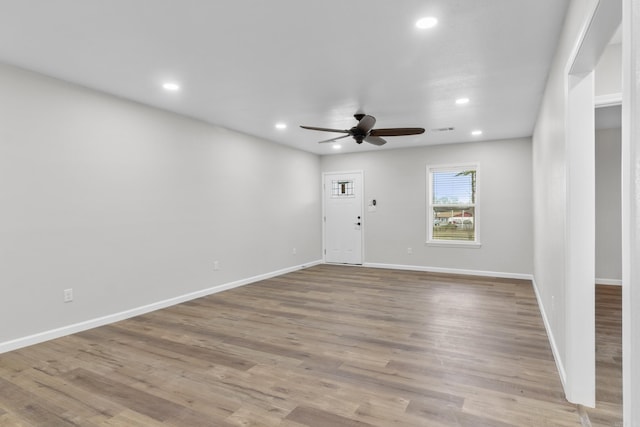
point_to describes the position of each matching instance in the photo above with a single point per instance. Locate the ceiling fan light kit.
(364, 131)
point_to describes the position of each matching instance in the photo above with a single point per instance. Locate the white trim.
(579, 236)
(631, 213)
(116, 317)
(609, 100)
(454, 244)
(552, 340)
(502, 275)
(609, 282)
(452, 167)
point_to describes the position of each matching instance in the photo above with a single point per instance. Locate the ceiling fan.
(364, 131)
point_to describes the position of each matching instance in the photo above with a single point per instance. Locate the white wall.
(397, 180)
(608, 72)
(563, 174)
(549, 190)
(608, 87)
(130, 205)
(608, 207)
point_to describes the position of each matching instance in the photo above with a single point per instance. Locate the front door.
(343, 217)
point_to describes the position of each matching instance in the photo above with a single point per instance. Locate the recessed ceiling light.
(462, 101)
(172, 87)
(281, 125)
(337, 146)
(427, 22)
(476, 133)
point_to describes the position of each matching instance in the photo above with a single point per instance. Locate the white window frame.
(476, 217)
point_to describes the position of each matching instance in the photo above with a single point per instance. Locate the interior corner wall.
(608, 207)
(129, 205)
(397, 180)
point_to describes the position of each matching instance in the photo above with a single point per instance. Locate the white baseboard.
(451, 271)
(552, 340)
(116, 317)
(610, 282)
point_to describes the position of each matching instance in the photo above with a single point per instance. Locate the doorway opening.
(580, 385)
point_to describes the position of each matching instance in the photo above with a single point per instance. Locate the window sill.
(454, 244)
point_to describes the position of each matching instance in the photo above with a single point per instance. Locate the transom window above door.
(342, 188)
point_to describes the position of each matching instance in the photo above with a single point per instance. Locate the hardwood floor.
(608, 410)
(326, 346)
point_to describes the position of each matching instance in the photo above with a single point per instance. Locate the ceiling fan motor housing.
(358, 134)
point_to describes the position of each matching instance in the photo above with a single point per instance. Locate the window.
(342, 188)
(452, 204)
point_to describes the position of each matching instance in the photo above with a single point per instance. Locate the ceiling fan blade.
(324, 129)
(366, 124)
(333, 139)
(375, 140)
(396, 131)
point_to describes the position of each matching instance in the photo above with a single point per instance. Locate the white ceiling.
(248, 64)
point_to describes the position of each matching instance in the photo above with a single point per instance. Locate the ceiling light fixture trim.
(171, 86)
(427, 22)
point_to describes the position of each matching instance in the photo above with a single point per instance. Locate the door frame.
(579, 373)
(324, 213)
(630, 212)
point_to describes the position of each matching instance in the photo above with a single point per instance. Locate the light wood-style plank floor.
(608, 410)
(326, 346)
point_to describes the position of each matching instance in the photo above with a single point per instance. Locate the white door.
(343, 217)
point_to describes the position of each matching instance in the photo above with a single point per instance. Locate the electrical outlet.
(409, 251)
(68, 295)
(294, 251)
(216, 265)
